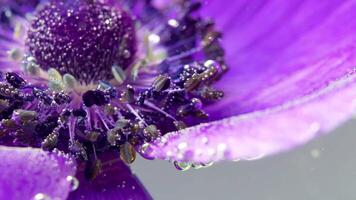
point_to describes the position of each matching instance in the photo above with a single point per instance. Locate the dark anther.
(80, 112)
(50, 142)
(161, 83)
(192, 83)
(15, 80)
(209, 73)
(127, 153)
(211, 94)
(94, 97)
(78, 149)
(8, 91)
(128, 96)
(141, 98)
(42, 96)
(62, 98)
(47, 126)
(192, 109)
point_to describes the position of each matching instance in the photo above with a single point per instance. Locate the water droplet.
(174, 23)
(197, 166)
(127, 54)
(315, 153)
(74, 183)
(205, 140)
(205, 165)
(182, 166)
(182, 145)
(257, 157)
(154, 38)
(41, 196)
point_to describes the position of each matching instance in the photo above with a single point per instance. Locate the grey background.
(324, 169)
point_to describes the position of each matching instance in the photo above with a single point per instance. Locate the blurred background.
(324, 169)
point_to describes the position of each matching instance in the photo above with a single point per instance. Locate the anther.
(161, 83)
(15, 80)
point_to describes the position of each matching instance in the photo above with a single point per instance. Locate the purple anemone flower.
(86, 85)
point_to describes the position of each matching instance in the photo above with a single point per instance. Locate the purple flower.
(88, 84)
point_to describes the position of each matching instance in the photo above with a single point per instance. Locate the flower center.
(82, 38)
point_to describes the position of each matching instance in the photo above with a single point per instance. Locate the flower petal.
(254, 135)
(27, 172)
(286, 59)
(115, 182)
(281, 50)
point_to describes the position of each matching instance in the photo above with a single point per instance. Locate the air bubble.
(155, 39)
(74, 183)
(127, 54)
(41, 196)
(173, 23)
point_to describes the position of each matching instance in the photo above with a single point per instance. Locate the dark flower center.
(82, 38)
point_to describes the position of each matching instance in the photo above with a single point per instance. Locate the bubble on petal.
(41, 196)
(74, 183)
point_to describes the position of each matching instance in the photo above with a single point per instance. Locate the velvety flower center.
(82, 38)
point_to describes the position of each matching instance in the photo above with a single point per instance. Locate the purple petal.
(257, 134)
(286, 58)
(115, 182)
(281, 50)
(27, 172)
